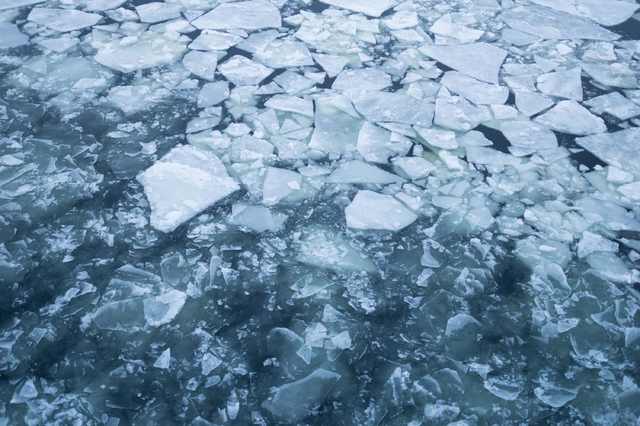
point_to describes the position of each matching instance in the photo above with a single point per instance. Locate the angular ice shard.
(246, 15)
(296, 400)
(528, 137)
(478, 60)
(10, 4)
(413, 167)
(371, 210)
(149, 50)
(25, 392)
(63, 20)
(256, 218)
(361, 80)
(555, 396)
(10, 36)
(284, 53)
(563, 84)
(202, 64)
(609, 13)
(474, 90)
(215, 40)
(617, 74)
(531, 103)
(182, 184)
(282, 185)
(620, 149)
(614, 104)
(328, 250)
(456, 113)
(158, 11)
(373, 8)
(213, 93)
(162, 309)
(164, 360)
(376, 144)
(360, 172)
(242, 71)
(336, 125)
(332, 64)
(554, 25)
(572, 118)
(394, 107)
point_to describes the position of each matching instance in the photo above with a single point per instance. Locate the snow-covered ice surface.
(319, 212)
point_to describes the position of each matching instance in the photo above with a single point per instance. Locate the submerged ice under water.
(349, 212)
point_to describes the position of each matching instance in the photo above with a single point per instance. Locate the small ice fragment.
(164, 360)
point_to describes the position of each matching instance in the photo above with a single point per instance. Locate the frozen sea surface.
(333, 212)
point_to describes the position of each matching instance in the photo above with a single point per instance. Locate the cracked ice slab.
(572, 118)
(63, 20)
(182, 184)
(478, 60)
(10, 4)
(10, 36)
(370, 210)
(555, 25)
(607, 13)
(148, 51)
(245, 15)
(374, 8)
(620, 149)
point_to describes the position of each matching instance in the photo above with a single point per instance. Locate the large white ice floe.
(373, 8)
(182, 184)
(609, 13)
(243, 71)
(620, 149)
(63, 20)
(572, 118)
(478, 60)
(246, 15)
(371, 210)
(552, 24)
(146, 51)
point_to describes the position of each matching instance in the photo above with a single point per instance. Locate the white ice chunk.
(202, 64)
(591, 243)
(247, 15)
(356, 171)
(478, 60)
(528, 136)
(282, 185)
(336, 127)
(284, 53)
(555, 25)
(456, 113)
(449, 26)
(10, 4)
(164, 360)
(361, 80)
(438, 138)
(555, 396)
(614, 104)
(371, 210)
(256, 218)
(620, 149)
(373, 8)
(376, 144)
(563, 84)
(617, 74)
(25, 392)
(10, 36)
(413, 167)
(132, 54)
(63, 20)
(102, 5)
(132, 99)
(531, 103)
(474, 90)
(242, 71)
(213, 93)
(215, 40)
(158, 11)
(572, 118)
(630, 190)
(332, 64)
(607, 13)
(184, 183)
(394, 107)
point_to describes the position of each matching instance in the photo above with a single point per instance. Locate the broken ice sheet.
(184, 183)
